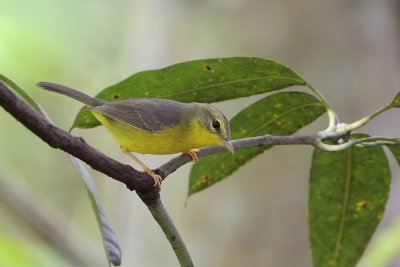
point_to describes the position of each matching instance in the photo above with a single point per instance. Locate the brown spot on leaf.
(284, 122)
(208, 67)
(205, 180)
(362, 205)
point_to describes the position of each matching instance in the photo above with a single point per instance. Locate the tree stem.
(333, 118)
(163, 219)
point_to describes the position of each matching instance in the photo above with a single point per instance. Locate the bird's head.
(216, 123)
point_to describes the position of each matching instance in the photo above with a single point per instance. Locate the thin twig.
(167, 225)
(267, 140)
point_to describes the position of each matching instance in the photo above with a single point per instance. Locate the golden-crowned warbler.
(155, 126)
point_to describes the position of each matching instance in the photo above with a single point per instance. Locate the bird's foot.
(193, 154)
(156, 178)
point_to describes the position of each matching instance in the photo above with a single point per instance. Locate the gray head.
(216, 122)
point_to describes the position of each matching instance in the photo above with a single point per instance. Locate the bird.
(155, 126)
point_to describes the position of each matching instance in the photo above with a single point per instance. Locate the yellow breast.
(180, 138)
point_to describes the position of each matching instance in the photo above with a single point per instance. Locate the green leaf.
(207, 80)
(277, 114)
(347, 197)
(396, 101)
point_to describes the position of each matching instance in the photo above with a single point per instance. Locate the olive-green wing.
(146, 114)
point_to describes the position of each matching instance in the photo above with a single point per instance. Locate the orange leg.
(157, 178)
(192, 153)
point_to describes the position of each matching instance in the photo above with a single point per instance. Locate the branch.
(76, 146)
(335, 132)
(160, 215)
(267, 140)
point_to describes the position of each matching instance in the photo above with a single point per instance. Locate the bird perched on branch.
(155, 126)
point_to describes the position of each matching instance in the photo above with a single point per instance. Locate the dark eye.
(215, 124)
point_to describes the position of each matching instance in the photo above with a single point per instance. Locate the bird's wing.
(145, 114)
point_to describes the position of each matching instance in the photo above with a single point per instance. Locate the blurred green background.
(347, 49)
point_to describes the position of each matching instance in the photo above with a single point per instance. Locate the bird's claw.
(156, 178)
(193, 154)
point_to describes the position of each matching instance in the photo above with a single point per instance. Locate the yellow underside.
(167, 141)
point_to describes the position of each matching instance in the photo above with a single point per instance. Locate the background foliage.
(106, 42)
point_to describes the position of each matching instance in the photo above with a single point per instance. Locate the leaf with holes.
(347, 197)
(277, 114)
(206, 80)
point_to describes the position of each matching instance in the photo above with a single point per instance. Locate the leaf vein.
(344, 210)
(191, 90)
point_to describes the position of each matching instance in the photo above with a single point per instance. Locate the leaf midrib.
(230, 82)
(345, 204)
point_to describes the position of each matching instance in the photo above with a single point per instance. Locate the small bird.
(155, 126)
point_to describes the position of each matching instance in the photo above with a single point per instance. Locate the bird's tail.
(61, 89)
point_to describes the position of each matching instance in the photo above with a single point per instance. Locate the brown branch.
(76, 146)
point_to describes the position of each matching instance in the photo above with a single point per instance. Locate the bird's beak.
(228, 145)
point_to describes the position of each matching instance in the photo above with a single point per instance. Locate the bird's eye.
(215, 124)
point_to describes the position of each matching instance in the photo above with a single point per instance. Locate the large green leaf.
(347, 197)
(207, 80)
(277, 114)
